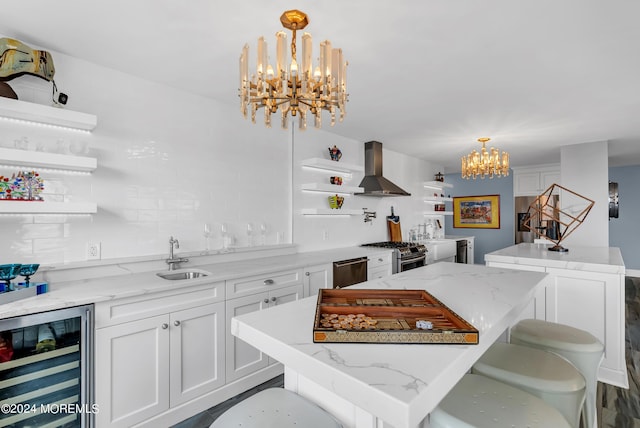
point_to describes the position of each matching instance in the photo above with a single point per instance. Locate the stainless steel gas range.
(406, 255)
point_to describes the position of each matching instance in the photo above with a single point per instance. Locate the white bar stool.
(478, 401)
(276, 408)
(581, 348)
(546, 375)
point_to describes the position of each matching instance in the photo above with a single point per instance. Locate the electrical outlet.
(93, 251)
(325, 234)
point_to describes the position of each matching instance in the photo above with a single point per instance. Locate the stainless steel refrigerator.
(523, 234)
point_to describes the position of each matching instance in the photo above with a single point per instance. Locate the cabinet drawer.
(377, 260)
(135, 308)
(379, 272)
(260, 283)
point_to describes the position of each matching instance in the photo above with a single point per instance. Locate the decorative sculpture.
(544, 214)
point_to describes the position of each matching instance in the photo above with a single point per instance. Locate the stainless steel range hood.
(373, 182)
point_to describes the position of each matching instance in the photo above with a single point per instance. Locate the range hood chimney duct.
(373, 182)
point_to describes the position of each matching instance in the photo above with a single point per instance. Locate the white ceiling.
(426, 78)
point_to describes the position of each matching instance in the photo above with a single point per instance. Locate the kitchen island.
(586, 292)
(391, 385)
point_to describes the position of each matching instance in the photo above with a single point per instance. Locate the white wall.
(168, 162)
(584, 170)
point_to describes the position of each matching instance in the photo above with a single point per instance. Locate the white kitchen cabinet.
(379, 265)
(253, 294)
(132, 366)
(317, 277)
(532, 181)
(588, 300)
(196, 352)
(167, 352)
(242, 359)
(594, 302)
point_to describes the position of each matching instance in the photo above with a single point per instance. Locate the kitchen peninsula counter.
(587, 292)
(399, 384)
(593, 259)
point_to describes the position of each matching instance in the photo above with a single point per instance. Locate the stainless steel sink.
(181, 275)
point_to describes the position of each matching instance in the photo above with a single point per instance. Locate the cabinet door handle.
(269, 282)
(380, 260)
(266, 300)
(273, 299)
(165, 326)
(307, 273)
(176, 323)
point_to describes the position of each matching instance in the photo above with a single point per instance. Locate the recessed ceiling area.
(425, 78)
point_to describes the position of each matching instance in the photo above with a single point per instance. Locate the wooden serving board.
(395, 231)
(387, 316)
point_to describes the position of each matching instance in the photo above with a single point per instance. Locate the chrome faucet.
(172, 261)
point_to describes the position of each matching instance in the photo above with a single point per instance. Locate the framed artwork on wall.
(476, 212)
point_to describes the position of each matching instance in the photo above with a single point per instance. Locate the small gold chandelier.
(485, 163)
(294, 88)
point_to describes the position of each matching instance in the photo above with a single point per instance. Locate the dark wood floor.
(617, 407)
(206, 418)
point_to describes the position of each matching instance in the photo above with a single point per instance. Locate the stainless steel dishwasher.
(349, 272)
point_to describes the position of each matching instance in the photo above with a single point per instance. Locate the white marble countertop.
(400, 383)
(121, 282)
(458, 237)
(591, 259)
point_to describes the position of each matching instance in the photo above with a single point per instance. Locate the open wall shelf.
(331, 188)
(332, 166)
(46, 115)
(35, 160)
(330, 212)
(44, 207)
(437, 185)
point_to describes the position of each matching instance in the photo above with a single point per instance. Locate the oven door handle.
(415, 259)
(350, 262)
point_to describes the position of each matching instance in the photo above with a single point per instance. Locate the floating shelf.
(44, 207)
(437, 185)
(434, 213)
(332, 166)
(436, 200)
(46, 115)
(35, 160)
(329, 211)
(331, 188)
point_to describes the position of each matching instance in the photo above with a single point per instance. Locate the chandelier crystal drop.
(294, 86)
(485, 162)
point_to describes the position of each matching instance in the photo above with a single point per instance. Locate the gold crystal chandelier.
(485, 162)
(293, 87)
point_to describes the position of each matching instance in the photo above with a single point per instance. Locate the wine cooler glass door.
(45, 369)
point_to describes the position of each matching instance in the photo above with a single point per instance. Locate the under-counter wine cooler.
(46, 369)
